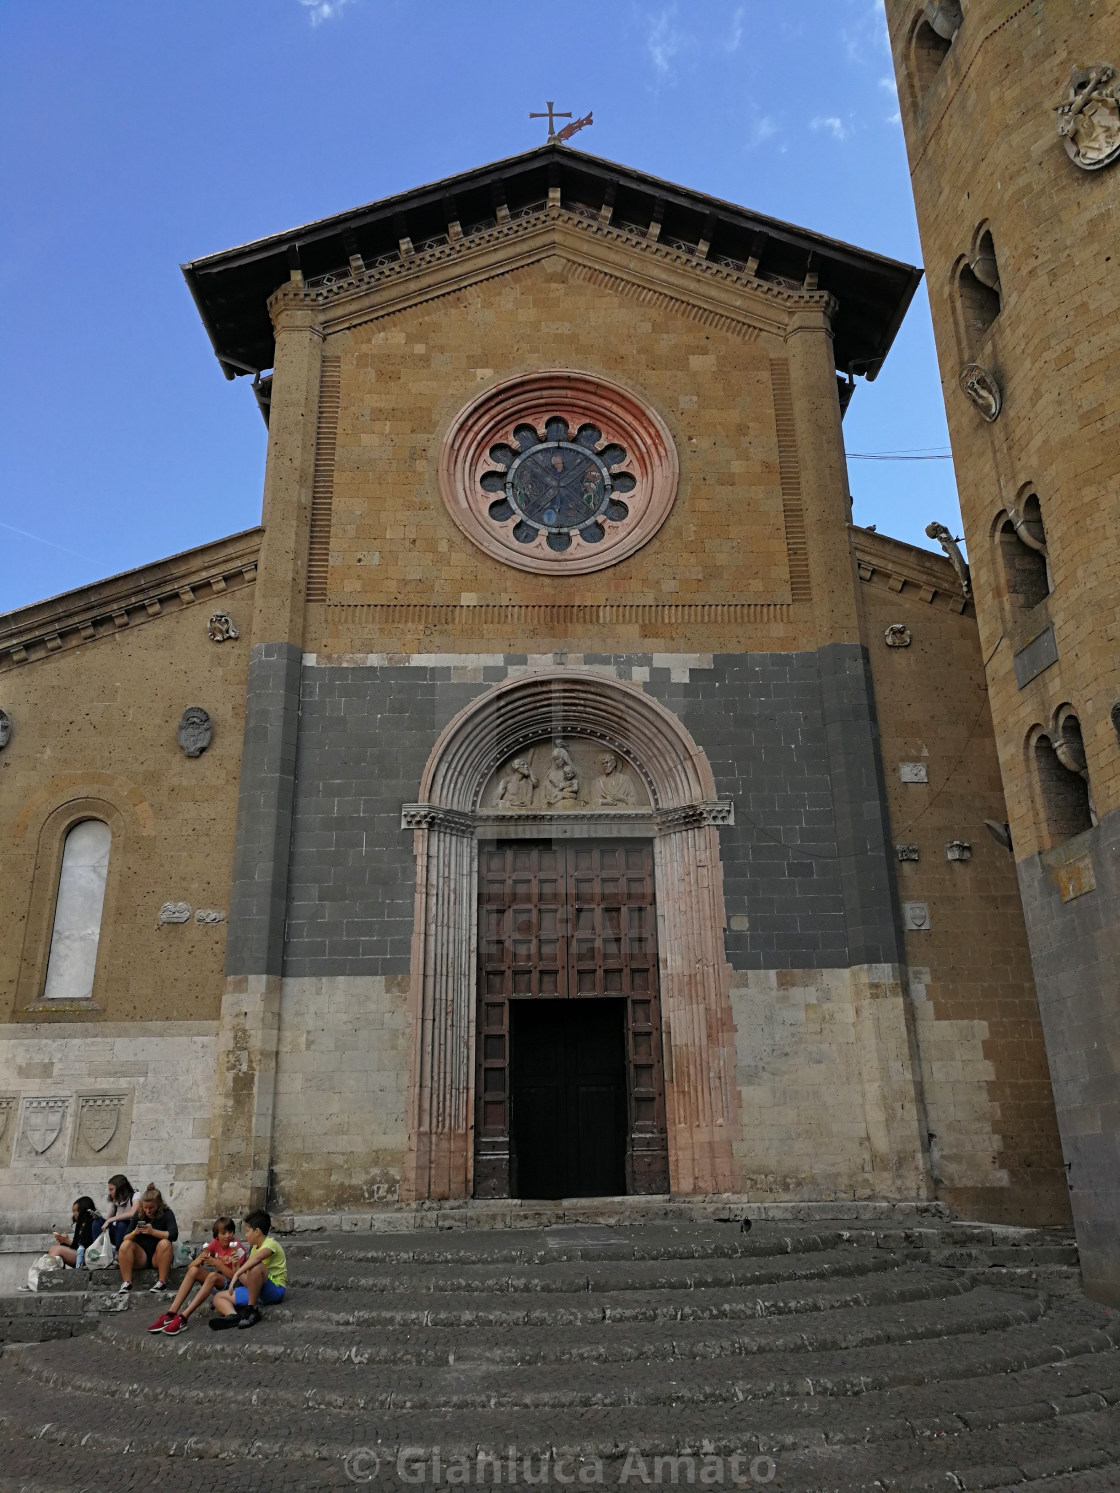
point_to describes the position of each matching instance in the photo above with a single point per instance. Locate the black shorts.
(147, 1244)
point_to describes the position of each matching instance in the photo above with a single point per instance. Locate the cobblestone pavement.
(657, 1355)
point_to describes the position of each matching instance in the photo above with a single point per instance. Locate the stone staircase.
(826, 1358)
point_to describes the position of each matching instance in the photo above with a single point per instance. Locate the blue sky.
(135, 137)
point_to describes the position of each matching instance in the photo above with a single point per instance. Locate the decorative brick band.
(591, 614)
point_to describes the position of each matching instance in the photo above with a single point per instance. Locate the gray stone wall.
(791, 738)
(1075, 947)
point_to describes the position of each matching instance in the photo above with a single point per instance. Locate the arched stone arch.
(698, 1032)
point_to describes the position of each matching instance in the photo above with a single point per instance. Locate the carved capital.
(692, 816)
(434, 816)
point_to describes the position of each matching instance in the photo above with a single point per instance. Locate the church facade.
(556, 795)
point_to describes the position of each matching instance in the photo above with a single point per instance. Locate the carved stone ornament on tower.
(220, 628)
(944, 16)
(5, 729)
(981, 388)
(1089, 116)
(195, 730)
(897, 635)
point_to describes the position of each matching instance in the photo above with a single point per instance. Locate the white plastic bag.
(40, 1267)
(99, 1256)
(181, 1252)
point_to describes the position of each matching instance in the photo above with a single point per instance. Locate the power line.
(926, 455)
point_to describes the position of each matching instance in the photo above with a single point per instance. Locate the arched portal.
(681, 820)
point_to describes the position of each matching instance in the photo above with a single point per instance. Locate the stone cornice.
(205, 576)
(723, 289)
(901, 567)
(484, 823)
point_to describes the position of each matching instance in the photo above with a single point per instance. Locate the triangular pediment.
(718, 239)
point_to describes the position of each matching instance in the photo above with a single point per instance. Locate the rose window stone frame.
(616, 472)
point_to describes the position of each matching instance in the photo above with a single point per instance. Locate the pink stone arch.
(701, 1098)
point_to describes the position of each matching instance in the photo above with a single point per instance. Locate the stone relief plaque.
(102, 1129)
(563, 774)
(915, 917)
(913, 772)
(43, 1120)
(897, 635)
(1089, 116)
(8, 1104)
(220, 628)
(195, 730)
(174, 912)
(209, 915)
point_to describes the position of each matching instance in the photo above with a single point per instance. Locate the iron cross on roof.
(556, 136)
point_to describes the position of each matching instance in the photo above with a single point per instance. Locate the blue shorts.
(271, 1293)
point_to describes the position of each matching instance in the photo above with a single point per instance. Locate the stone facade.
(383, 667)
(1018, 243)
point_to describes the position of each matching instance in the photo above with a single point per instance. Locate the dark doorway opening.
(568, 1098)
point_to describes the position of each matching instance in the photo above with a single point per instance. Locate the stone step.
(304, 1449)
(764, 1363)
(312, 1310)
(298, 1333)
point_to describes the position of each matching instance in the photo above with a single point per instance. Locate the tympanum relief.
(565, 774)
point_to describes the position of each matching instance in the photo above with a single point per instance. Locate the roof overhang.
(232, 289)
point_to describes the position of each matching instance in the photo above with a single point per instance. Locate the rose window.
(558, 472)
(559, 486)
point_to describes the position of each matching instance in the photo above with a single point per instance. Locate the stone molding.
(566, 614)
(695, 979)
(723, 294)
(904, 568)
(582, 822)
(108, 607)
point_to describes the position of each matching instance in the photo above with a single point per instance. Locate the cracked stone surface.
(828, 1358)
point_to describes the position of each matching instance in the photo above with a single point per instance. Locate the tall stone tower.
(1012, 123)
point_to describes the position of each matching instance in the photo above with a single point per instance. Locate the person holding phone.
(149, 1243)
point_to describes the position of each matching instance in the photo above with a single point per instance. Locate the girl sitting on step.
(71, 1248)
(217, 1263)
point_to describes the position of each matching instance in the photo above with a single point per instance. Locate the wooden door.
(574, 922)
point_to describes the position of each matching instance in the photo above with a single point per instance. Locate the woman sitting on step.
(124, 1201)
(150, 1241)
(71, 1248)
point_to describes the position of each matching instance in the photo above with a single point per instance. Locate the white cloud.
(735, 35)
(664, 40)
(761, 130)
(835, 127)
(319, 11)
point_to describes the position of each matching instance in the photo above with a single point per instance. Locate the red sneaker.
(160, 1322)
(175, 1323)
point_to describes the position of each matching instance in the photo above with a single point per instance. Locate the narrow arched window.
(981, 294)
(1022, 543)
(1063, 782)
(931, 39)
(77, 912)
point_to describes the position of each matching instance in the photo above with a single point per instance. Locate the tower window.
(980, 294)
(77, 913)
(932, 38)
(1022, 542)
(1063, 781)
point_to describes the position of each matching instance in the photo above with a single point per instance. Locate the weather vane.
(555, 136)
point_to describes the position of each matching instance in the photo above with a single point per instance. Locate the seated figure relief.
(561, 786)
(517, 789)
(615, 789)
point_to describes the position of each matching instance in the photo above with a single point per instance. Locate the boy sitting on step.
(214, 1267)
(262, 1278)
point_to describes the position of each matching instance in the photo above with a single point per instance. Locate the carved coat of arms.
(1089, 116)
(98, 1122)
(5, 729)
(195, 731)
(42, 1122)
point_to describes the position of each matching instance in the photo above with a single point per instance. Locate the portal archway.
(682, 820)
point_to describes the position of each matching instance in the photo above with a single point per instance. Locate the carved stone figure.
(209, 915)
(174, 912)
(944, 16)
(98, 1119)
(980, 386)
(518, 787)
(195, 731)
(221, 628)
(956, 559)
(907, 852)
(5, 729)
(42, 1123)
(897, 635)
(615, 789)
(958, 850)
(1089, 116)
(561, 786)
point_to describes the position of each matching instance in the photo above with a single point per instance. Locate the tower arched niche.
(683, 822)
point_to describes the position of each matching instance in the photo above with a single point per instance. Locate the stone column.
(248, 1033)
(824, 471)
(701, 1100)
(440, 1162)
